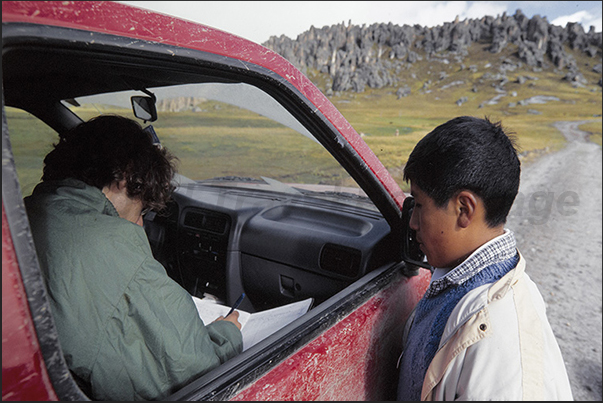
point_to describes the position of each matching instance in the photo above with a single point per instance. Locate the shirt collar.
(501, 248)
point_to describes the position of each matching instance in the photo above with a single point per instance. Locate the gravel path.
(557, 222)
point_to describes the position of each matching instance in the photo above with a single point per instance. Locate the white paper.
(210, 310)
(255, 327)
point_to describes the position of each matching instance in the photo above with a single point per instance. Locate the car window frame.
(266, 354)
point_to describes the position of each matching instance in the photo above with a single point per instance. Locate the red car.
(278, 197)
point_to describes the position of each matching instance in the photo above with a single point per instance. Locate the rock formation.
(356, 57)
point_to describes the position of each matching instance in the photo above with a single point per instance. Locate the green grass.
(238, 142)
(594, 130)
(30, 141)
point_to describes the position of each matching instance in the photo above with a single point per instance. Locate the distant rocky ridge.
(179, 104)
(356, 57)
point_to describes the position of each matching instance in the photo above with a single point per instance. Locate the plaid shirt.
(498, 249)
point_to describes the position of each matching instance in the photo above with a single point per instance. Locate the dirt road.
(557, 222)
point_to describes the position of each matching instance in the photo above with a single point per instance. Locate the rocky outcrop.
(179, 104)
(356, 57)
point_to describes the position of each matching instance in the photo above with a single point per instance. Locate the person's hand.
(233, 318)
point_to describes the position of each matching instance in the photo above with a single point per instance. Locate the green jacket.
(125, 327)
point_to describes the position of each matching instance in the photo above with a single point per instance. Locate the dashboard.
(278, 248)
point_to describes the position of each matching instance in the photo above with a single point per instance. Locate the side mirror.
(144, 108)
(411, 252)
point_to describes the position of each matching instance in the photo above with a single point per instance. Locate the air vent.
(340, 259)
(207, 221)
(194, 220)
(215, 224)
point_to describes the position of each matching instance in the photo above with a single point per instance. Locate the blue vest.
(431, 315)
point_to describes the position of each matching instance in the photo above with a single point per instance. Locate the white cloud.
(425, 13)
(479, 9)
(583, 17)
(259, 20)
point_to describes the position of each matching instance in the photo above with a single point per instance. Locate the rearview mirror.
(144, 108)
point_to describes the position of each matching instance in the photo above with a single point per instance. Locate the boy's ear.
(466, 208)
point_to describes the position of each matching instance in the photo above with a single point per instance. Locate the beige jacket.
(498, 345)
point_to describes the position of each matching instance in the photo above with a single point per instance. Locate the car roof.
(149, 26)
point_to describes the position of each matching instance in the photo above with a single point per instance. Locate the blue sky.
(258, 20)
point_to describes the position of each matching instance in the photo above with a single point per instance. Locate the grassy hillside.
(379, 114)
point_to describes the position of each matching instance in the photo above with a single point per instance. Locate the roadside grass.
(594, 128)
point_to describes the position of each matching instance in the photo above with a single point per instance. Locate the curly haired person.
(127, 330)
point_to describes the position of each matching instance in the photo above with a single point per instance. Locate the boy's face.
(437, 229)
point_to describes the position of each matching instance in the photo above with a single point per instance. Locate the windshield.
(236, 135)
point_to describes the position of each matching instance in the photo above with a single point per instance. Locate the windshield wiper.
(280, 186)
(232, 178)
(274, 184)
(330, 193)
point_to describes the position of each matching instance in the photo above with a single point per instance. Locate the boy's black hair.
(467, 153)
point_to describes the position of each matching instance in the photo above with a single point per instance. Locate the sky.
(259, 20)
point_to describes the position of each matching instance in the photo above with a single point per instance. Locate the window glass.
(236, 135)
(30, 140)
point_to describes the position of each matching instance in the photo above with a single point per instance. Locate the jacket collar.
(471, 333)
(500, 288)
(476, 300)
(79, 192)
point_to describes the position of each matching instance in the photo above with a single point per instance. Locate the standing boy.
(480, 332)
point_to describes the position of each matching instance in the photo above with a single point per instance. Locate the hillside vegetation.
(394, 84)
(392, 125)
